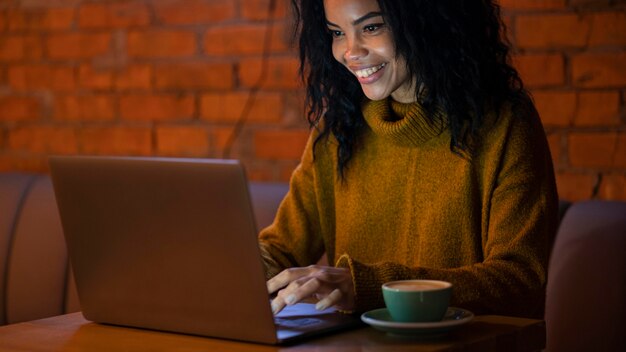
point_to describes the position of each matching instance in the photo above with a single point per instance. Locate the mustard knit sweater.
(409, 208)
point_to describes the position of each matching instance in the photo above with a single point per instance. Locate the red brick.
(186, 141)
(17, 108)
(48, 3)
(114, 15)
(95, 78)
(20, 47)
(77, 45)
(286, 171)
(43, 139)
(259, 9)
(194, 75)
(193, 11)
(219, 137)
(592, 149)
(608, 29)
(243, 40)
(598, 109)
(584, 4)
(116, 140)
(281, 73)
(40, 19)
(554, 141)
(532, 4)
(158, 107)
(613, 187)
(539, 70)
(294, 113)
(556, 108)
(227, 107)
(84, 108)
(259, 172)
(31, 77)
(575, 186)
(619, 157)
(25, 163)
(280, 144)
(3, 21)
(134, 77)
(161, 43)
(551, 30)
(599, 70)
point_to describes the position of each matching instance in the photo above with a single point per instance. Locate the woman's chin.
(375, 95)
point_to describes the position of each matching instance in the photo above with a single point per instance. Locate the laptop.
(171, 244)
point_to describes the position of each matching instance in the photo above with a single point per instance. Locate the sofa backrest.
(34, 268)
(586, 293)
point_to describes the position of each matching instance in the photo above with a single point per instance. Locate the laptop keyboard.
(296, 322)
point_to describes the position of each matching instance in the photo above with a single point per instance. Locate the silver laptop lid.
(166, 244)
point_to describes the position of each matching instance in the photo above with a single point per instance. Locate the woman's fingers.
(285, 278)
(295, 292)
(304, 288)
(332, 299)
(297, 284)
(277, 305)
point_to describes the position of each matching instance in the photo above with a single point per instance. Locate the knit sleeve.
(522, 218)
(293, 239)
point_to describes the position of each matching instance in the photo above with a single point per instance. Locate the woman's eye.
(372, 27)
(335, 33)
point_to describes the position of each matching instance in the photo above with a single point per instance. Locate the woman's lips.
(370, 74)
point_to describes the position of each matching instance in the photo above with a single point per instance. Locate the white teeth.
(368, 71)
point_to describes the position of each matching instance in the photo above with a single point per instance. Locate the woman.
(427, 161)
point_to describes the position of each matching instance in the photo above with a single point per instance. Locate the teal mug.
(417, 300)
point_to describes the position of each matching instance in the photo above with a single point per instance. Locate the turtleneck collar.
(404, 124)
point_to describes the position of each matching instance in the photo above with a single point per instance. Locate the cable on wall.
(245, 112)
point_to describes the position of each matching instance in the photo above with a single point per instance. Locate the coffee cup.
(417, 300)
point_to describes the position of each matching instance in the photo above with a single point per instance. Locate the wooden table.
(72, 332)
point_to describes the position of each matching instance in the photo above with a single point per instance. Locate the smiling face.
(363, 43)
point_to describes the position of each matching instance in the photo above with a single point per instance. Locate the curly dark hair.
(457, 49)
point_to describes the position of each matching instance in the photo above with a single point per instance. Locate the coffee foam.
(417, 285)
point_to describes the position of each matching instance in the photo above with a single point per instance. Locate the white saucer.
(381, 319)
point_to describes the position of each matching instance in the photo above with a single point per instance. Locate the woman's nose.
(354, 50)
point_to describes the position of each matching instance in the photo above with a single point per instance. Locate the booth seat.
(586, 291)
(36, 280)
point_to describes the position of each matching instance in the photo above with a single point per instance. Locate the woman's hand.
(330, 286)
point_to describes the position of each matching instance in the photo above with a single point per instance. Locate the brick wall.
(572, 55)
(147, 77)
(171, 77)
